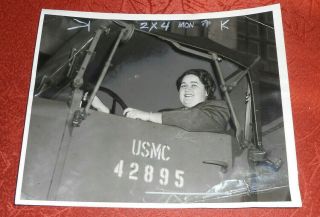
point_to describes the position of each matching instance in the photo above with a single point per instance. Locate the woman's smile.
(188, 95)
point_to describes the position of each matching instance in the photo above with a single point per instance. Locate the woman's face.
(192, 91)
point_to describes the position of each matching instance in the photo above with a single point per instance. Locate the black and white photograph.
(159, 111)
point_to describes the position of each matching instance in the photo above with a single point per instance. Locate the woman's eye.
(183, 86)
(194, 85)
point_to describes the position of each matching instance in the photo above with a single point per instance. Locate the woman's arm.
(142, 115)
(96, 103)
(210, 116)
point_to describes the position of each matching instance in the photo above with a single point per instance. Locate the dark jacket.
(208, 116)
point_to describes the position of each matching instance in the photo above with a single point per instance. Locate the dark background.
(146, 59)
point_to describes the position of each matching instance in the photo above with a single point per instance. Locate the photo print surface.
(159, 111)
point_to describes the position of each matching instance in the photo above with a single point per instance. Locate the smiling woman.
(200, 112)
(195, 86)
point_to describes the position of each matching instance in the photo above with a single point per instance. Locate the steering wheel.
(115, 99)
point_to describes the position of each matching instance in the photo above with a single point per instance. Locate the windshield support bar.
(78, 80)
(239, 132)
(104, 70)
(185, 49)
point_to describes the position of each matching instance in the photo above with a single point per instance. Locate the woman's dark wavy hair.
(204, 76)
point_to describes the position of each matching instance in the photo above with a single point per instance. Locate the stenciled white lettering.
(156, 152)
(150, 150)
(163, 152)
(145, 148)
(136, 148)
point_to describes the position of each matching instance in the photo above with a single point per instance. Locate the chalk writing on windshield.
(150, 26)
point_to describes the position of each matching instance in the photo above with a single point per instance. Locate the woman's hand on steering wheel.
(136, 114)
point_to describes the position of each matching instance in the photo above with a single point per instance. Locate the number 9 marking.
(164, 176)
